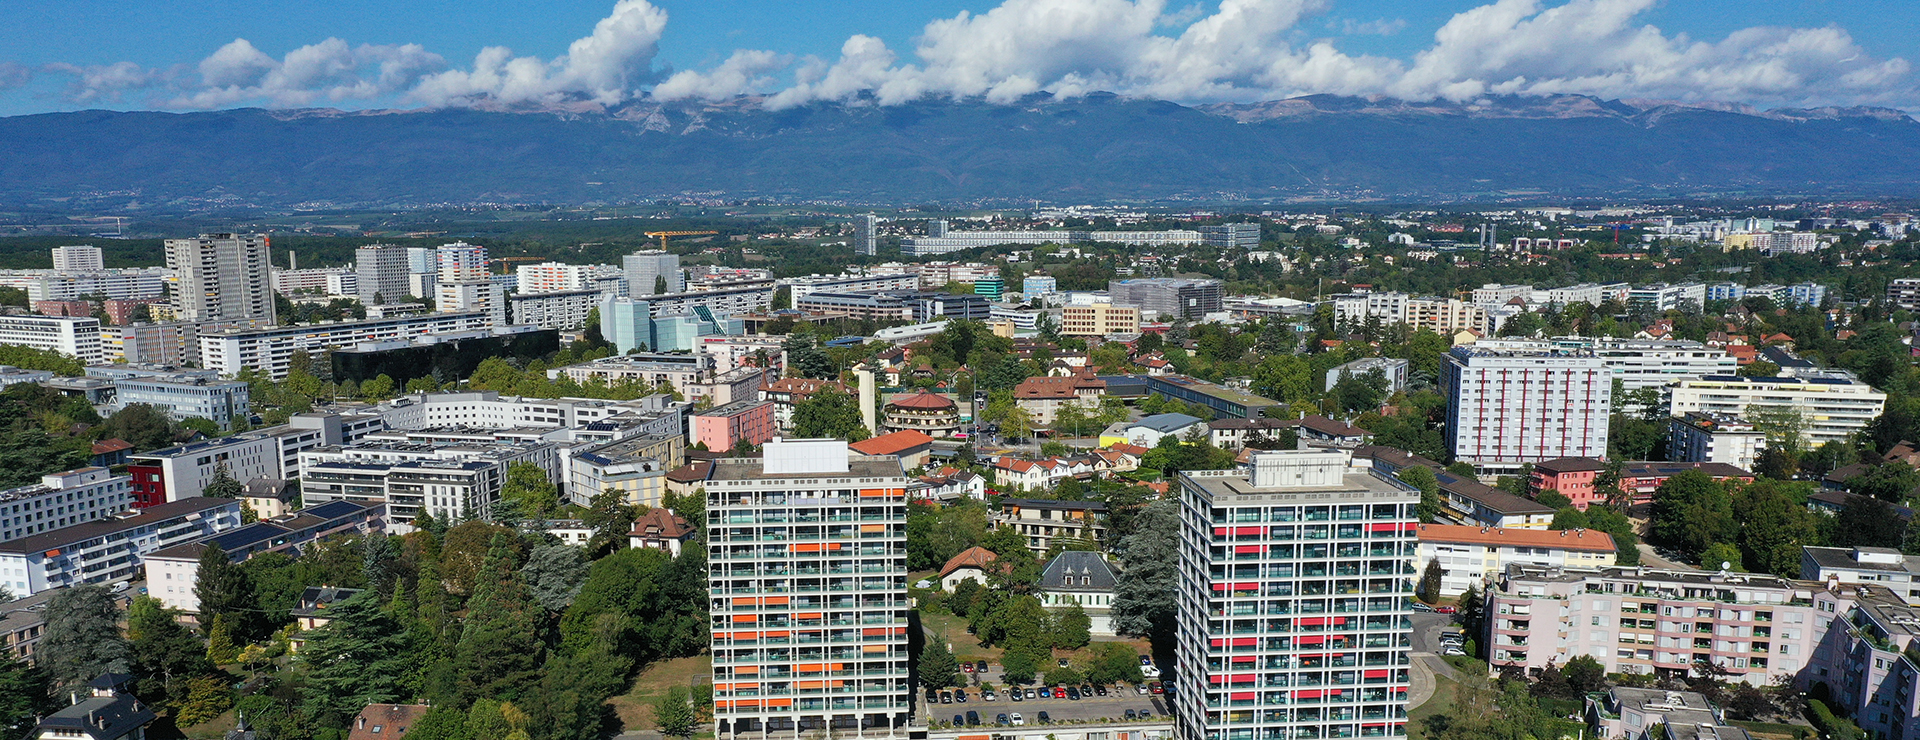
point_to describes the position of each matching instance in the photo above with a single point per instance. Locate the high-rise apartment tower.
(221, 276)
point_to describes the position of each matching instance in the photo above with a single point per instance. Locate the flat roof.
(1591, 540)
(90, 530)
(1222, 487)
(858, 466)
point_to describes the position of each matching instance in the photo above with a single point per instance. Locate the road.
(1426, 660)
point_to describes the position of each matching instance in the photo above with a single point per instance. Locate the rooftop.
(44, 541)
(892, 444)
(923, 400)
(1165, 423)
(1065, 571)
(1591, 540)
(972, 557)
(858, 466)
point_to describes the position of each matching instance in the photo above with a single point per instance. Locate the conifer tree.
(499, 655)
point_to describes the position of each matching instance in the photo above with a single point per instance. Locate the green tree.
(379, 388)
(1422, 477)
(938, 668)
(1773, 527)
(25, 693)
(554, 574)
(1892, 481)
(82, 637)
(829, 414)
(164, 653)
(1072, 628)
(225, 590)
(140, 425)
(527, 495)
(804, 360)
(441, 723)
(611, 518)
(499, 653)
(1144, 596)
(1429, 587)
(202, 698)
(1721, 552)
(222, 647)
(222, 485)
(1691, 512)
(673, 713)
(1867, 521)
(1018, 668)
(357, 659)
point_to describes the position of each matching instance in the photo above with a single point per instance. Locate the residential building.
(1507, 408)
(1394, 371)
(637, 467)
(1443, 316)
(1044, 396)
(107, 711)
(56, 285)
(171, 573)
(1041, 521)
(109, 550)
(661, 529)
(1756, 627)
(1634, 714)
(949, 484)
(451, 483)
(972, 564)
(1662, 297)
(1233, 434)
(183, 471)
(1867, 662)
(653, 272)
(1704, 436)
(1477, 504)
(1832, 407)
(1039, 284)
(1226, 403)
(866, 235)
(724, 427)
(931, 413)
(558, 277)
(1884, 567)
(1232, 236)
(1490, 295)
(875, 282)
(319, 281)
(565, 310)
(1295, 580)
(692, 376)
(219, 401)
(1475, 556)
(786, 393)
(74, 336)
(221, 276)
(77, 259)
(1904, 293)
(1636, 363)
(269, 350)
(1576, 478)
(912, 448)
(486, 298)
(382, 274)
(1148, 431)
(1098, 320)
(1081, 578)
(908, 306)
(383, 721)
(1190, 299)
(63, 500)
(955, 241)
(773, 666)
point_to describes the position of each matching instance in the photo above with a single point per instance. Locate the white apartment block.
(451, 482)
(1509, 408)
(807, 578)
(1885, 567)
(55, 285)
(1699, 436)
(1477, 556)
(490, 410)
(730, 353)
(565, 310)
(221, 276)
(1662, 297)
(460, 262)
(693, 376)
(221, 402)
(381, 271)
(800, 287)
(74, 336)
(63, 500)
(557, 277)
(1588, 293)
(647, 269)
(183, 471)
(1832, 407)
(1444, 316)
(1868, 663)
(109, 550)
(1295, 580)
(1636, 363)
(1495, 294)
(77, 259)
(955, 241)
(269, 351)
(1099, 320)
(1640, 620)
(330, 281)
(488, 299)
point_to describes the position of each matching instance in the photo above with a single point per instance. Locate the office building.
(906, 306)
(866, 235)
(1293, 618)
(937, 228)
(1175, 297)
(109, 550)
(73, 336)
(1232, 236)
(220, 401)
(1832, 407)
(653, 272)
(780, 665)
(564, 310)
(1507, 408)
(1037, 285)
(1701, 436)
(1098, 320)
(183, 471)
(1224, 402)
(221, 276)
(77, 259)
(1636, 363)
(1663, 297)
(1475, 556)
(990, 288)
(1756, 627)
(382, 270)
(63, 500)
(955, 241)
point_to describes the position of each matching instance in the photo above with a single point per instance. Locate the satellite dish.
(1724, 565)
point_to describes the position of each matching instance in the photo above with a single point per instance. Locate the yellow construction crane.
(504, 260)
(664, 234)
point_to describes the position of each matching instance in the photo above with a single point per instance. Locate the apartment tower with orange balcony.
(807, 575)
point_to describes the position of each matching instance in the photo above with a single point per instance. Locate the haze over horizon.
(433, 54)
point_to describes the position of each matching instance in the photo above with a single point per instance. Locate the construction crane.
(502, 261)
(664, 234)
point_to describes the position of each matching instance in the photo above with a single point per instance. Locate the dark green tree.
(1071, 627)
(25, 694)
(554, 574)
(1144, 597)
(357, 659)
(225, 590)
(499, 652)
(164, 652)
(804, 360)
(1422, 477)
(673, 713)
(1773, 527)
(140, 425)
(611, 518)
(938, 668)
(82, 637)
(1866, 521)
(1691, 512)
(379, 563)
(829, 414)
(1429, 588)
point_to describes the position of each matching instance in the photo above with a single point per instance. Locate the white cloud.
(1211, 50)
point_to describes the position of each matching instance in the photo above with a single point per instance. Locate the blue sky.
(76, 54)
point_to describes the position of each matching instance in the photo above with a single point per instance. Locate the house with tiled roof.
(972, 562)
(786, 393)
(949, 484)
(1043, 473)
(661, 529)
(934, 414)
(107, 710)
(1042, 520)
(1042, 397)
(386, 721)
(913, 448)
(1323, 431)
(1233, 434)
(1085, 578)
(689, 477)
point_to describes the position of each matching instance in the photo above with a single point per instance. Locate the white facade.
(1637, 363)
(557, 277)
(1476, 556)
(54, 285)
(1509, 408)
(381, 274)
(270, 350)
(648, 267)
(566, 310)
(331, 281)
(1295, 580)
(221, 402)
(485, 298)
(1833, 408)
(109, 551)
(801, 287)
(187, 469)
(779, 657)
(63, 500)
(74, 336)
(221, 276)
(460, 262)
(75, 259)
(453, 482)
(1495, 294)
(1662, 297)
(1705, 437)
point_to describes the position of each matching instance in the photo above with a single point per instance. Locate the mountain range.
(1096, 148)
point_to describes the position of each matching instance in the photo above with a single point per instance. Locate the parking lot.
(1112, 706)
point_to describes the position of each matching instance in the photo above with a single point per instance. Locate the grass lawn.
(1439, 703)
(636, 706)
(1773, 731)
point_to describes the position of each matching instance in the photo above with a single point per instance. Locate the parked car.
(1073, 693)
(988, 695)
(1044, 718)
(1143, 689)
(1448, 609)
(1146, 714)
(1145, 660)
(1451, 650)
(1063, 662)
(1013, 694)
(965, 666)
(973, 718)
(1101, 690)
(1018, 720)
(1419, 607)
(1158, 687)
(933, 697)
(1131, 715)
(1059, 693)
(1030, 693)
(946, 697)
(980, 666)
(1150, 672)
(1000, 719)
(960, 695)
(959, 720)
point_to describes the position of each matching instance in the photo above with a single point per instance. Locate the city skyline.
(358, 56)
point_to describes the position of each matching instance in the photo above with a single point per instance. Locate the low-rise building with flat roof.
(1885, 567)
(1475, 556)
